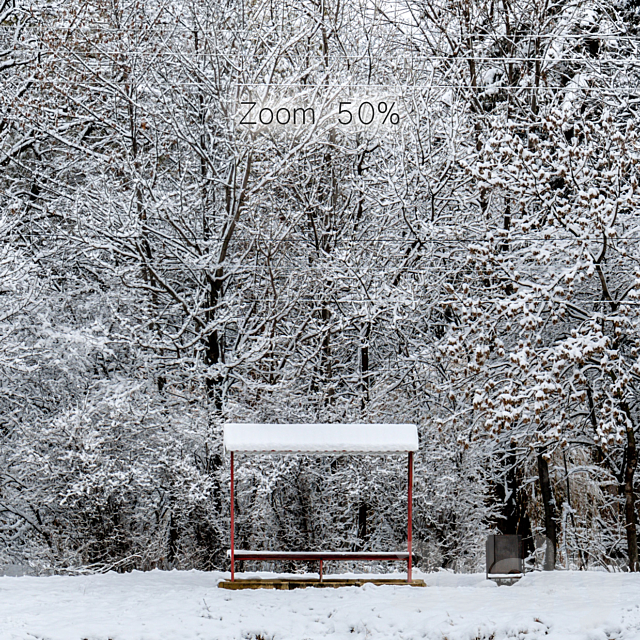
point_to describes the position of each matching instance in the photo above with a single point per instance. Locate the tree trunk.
(214, 354)
(363, 533)
(549, 512)
(327, 364)
(631, 462)
(364, 365)
(514, 519)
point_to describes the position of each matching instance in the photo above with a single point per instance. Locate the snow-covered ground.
(177, 605)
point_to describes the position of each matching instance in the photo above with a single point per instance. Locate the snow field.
(180, 605)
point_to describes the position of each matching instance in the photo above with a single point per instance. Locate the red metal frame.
(327, 555)
(233, 528)
(409, 513)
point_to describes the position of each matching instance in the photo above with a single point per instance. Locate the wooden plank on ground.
(301, 583)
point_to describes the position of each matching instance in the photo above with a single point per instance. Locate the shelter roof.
(320, 438)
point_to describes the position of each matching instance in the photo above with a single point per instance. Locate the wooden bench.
(320, 556)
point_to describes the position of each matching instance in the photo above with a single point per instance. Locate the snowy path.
(179, 605)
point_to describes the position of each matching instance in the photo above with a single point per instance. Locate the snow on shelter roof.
(320, 438)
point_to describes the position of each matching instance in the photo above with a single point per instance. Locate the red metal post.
(232, 525)
(320, 570)
(409, 515)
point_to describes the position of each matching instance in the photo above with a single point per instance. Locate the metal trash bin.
(505, 558)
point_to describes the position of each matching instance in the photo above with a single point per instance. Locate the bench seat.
(380, 556)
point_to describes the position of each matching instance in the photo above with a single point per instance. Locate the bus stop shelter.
(321, 439)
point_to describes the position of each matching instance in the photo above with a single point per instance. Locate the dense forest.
(468, 262)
